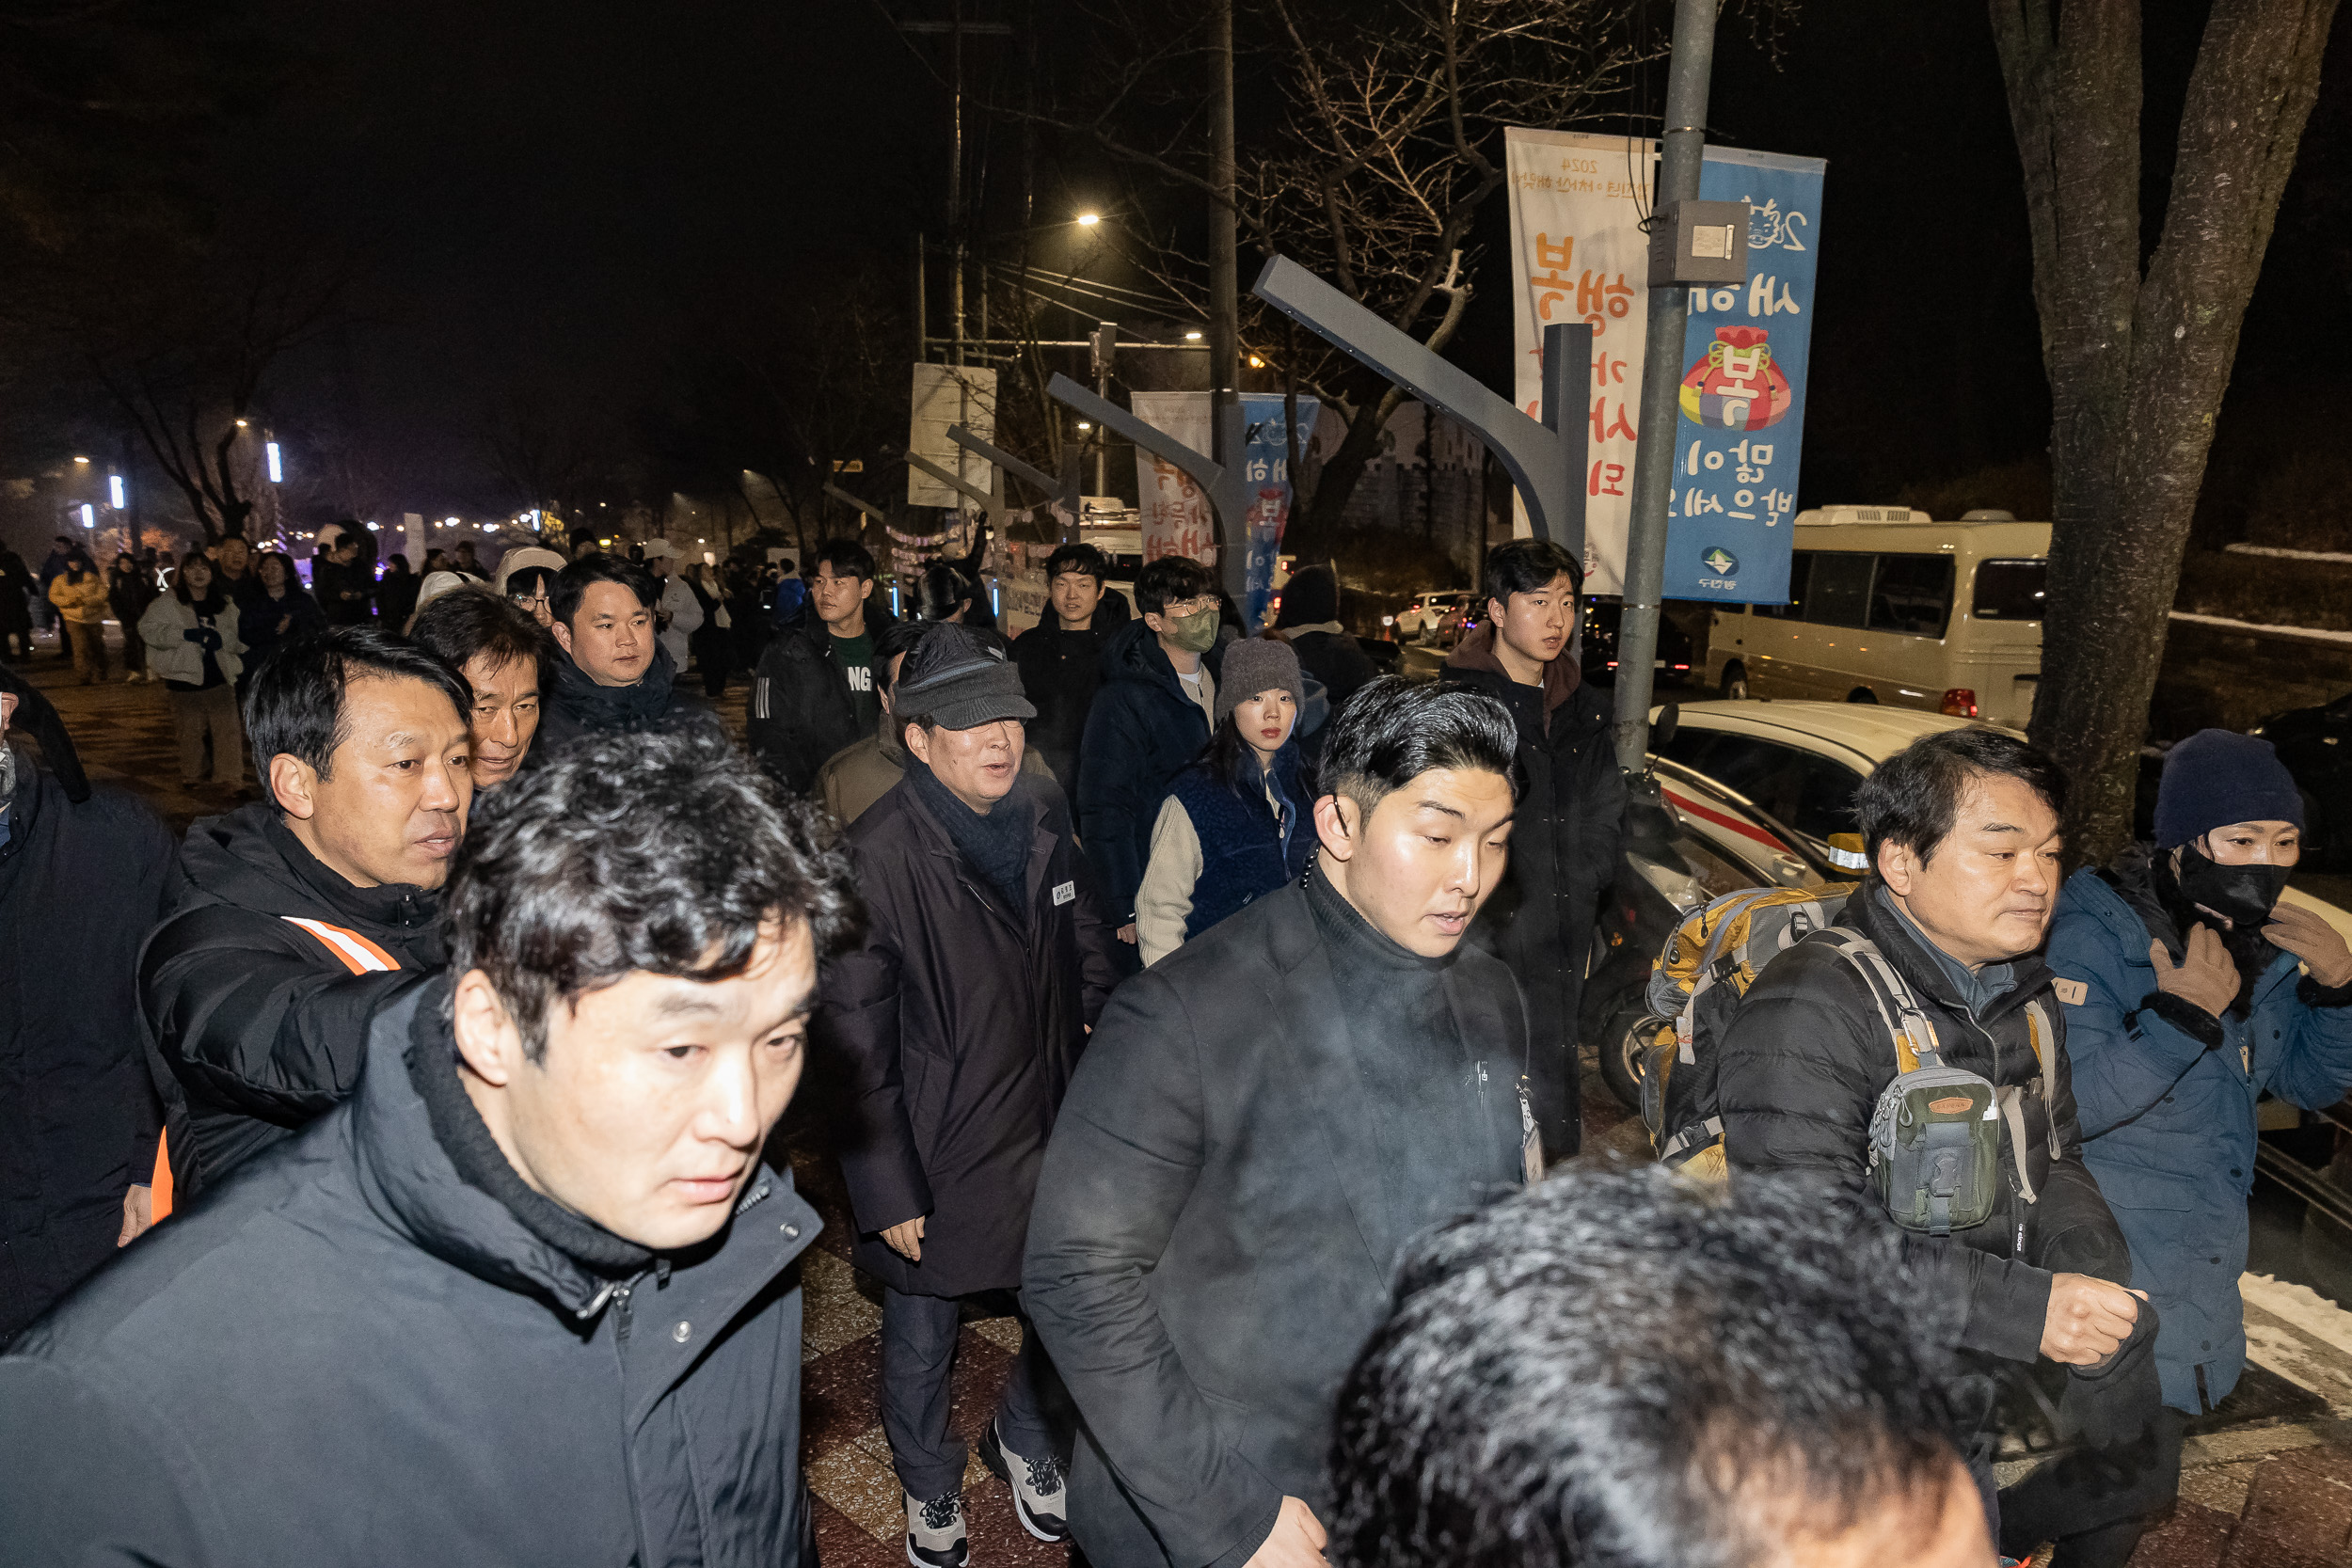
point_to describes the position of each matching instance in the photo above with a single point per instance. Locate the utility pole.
(955, 192)
(1225, 309)
(1683, 147)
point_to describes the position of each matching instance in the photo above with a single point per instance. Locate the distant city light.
(489, 527)
(450, 521)
(370, 528)
(240, 424)
(81, 460)
(1256, 363)
(89, 515)
(116, 492)
(1087, 220)
(276, 469)
(1192, 337)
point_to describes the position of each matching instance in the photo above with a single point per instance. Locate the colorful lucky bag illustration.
(1737, 387)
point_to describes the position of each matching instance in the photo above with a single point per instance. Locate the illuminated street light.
(240, 424)
(1192, 337)
(115, 492)
(451, 522)
(83, 460)
(89, 515)
(1086, 424)
(1087, 220)
(276, 469)
(1256, 363)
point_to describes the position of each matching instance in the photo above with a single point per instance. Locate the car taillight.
(1960, 702)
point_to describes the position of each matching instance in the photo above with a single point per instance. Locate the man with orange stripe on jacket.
(301, 914)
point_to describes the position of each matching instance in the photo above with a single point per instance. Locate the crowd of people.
(1202, 996)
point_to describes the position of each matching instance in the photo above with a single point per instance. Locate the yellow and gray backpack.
(1935, 1132)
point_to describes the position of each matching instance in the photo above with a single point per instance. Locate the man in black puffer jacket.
(816, 689)
(526, 1297)
(298, 916)
(1963, 834)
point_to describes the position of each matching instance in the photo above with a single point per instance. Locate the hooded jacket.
(364, 1352)
(858, 775)
(1802, 1065)
(2167, 1094)
(1564, 856)
(257, 1024)
(1141, 729)
(80, 879)
(580, 705)
(799, 712)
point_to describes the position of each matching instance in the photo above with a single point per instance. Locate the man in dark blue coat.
(525, 1298)
(1153, 715)
(83, 873)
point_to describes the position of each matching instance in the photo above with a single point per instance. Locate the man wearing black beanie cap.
(2191, 988)
(83, 874)
(961, 1018)
(1309, 621)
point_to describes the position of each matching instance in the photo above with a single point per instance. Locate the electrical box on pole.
(1698, 241)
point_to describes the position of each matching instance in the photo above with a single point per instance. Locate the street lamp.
(115, 494)
(89, 515)
(1087, 220)
(276, 469)
(1192, 337)
(83, 460)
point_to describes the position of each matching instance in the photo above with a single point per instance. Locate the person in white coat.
(679, 612)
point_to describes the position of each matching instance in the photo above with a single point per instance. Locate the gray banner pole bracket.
(1545, 461)
(1066, 494)
(991, 503)
(1227, 487)
(867, 507)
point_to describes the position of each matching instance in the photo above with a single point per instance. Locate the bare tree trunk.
(2137, 362)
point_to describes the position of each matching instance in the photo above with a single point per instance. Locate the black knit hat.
(2218, 777)
(34, 715)
(1310, 598)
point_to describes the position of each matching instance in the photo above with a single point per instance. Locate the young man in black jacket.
(814, 691)
(985, 964)
(526, 1297)
(1564, 852)
(1153, 713)
(83, 873)
(297, 916)
(1261, 1121)
(1060, 658)
(1961, 829)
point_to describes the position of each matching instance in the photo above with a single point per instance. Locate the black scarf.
(465, 1137)
(998, 845)
(621, 709)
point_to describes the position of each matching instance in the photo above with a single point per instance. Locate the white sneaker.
(935, 1537)
(1037, 1488)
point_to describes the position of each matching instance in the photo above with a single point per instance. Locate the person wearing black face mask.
(2190, 989)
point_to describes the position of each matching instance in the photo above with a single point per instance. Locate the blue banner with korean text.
(1266, 450)
(1747, 360)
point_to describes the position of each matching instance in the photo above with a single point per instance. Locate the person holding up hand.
(2190, 989)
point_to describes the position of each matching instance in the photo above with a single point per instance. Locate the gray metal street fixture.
(1066, 494)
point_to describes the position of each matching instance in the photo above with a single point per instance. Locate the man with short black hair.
(1564, 856)
(341, 583)
(1153, 713)
(1604, 1371)
(612, 677)
(1061, 657)
(986, 955)
(813, 690)
(300, 913)
(504, 656)
(1961, 831)
(1260, 1121)
(527, 1298)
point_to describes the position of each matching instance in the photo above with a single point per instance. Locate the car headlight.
(1673, 883)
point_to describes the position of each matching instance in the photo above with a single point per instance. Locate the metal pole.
(1225, 311)
(1684, 146)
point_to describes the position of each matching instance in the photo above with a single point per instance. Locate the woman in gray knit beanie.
(1235, 824)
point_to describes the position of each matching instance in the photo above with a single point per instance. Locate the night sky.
(544, 193)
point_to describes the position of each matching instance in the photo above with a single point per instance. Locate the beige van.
(1887, 605)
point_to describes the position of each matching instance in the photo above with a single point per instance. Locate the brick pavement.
(2275, 1495)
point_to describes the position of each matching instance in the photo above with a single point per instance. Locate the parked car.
(1430, 606)
(1888, 605)
(1602, 614)
(2315, 743)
